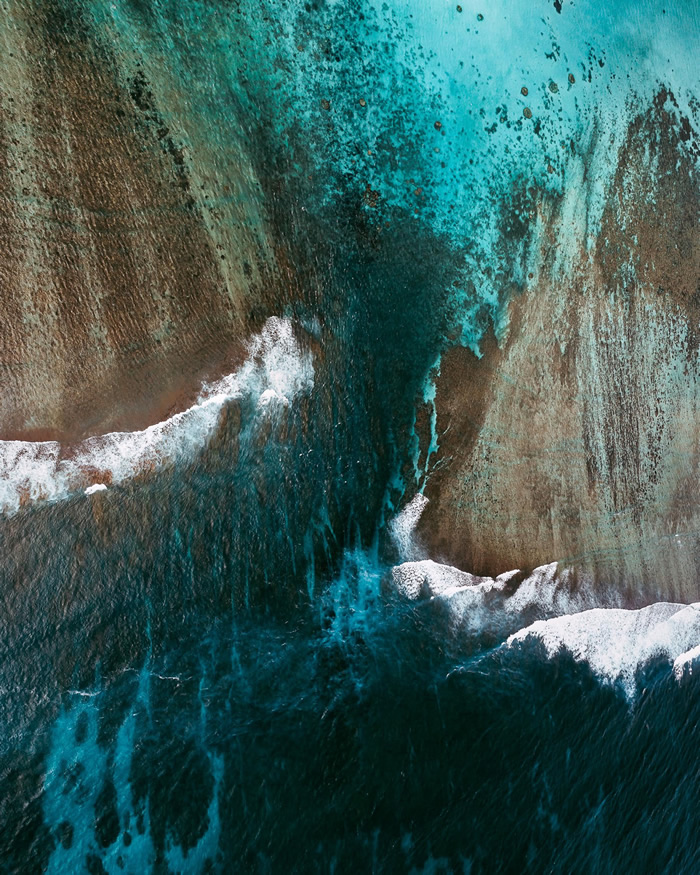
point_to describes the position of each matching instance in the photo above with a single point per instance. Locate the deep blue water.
(362, 736)
(208, 669)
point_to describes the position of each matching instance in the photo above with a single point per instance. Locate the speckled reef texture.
(573, 430)
(575, 435)
(479, 225)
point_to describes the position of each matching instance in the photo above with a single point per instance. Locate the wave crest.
(275, 371)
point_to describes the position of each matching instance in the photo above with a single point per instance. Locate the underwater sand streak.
(275, 371)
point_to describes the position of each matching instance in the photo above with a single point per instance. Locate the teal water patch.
(465, 120)
(90, 808)
(87, 801)
(370, 738)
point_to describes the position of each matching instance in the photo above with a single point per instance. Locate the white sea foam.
(275, 371)
(616, 642)
(686, 662)
(428, 578)
(402, 527)
(96, 487)
(480, 603)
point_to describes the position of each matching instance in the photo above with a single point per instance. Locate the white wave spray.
(275, 371)
(616, 643)
(579, 619)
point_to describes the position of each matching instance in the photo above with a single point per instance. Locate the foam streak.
(275, 371)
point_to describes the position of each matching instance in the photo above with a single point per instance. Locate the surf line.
(275, 371)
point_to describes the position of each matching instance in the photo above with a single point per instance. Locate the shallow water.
(231, 642)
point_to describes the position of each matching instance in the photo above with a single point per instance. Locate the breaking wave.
(505, 603)
(616, 643)
(566, 615)
(275, 371)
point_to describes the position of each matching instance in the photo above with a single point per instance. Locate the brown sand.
(119, 294)
(577, 440)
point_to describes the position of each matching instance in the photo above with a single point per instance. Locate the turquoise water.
(208, 668)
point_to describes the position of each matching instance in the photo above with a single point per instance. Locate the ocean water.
(223, 646)
(367, 735)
